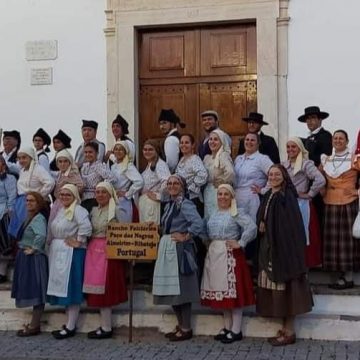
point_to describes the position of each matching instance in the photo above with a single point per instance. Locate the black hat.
(64, 138)
(90, 123)
(313, 110)
(123, 123)
(256, 117)
(44, 135)
(14, 134)
(170, 115)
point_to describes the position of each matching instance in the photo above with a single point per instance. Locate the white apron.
(149, 210)
(60, 257)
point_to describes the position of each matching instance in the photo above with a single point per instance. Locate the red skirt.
(244, 287)
(115, 286)
(313, 254)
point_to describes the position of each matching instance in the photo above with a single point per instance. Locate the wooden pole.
(132, 263)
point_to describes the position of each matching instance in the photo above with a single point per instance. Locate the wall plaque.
(42, 76)
(41, 50)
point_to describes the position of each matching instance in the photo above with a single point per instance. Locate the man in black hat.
(210, 122)
(320, 140)
(60, 141)
(168, 121)
(88, 131)
(120, 130)
(267, 146)
(41, 141)
(11, 143)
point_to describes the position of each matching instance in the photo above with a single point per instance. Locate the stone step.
(334, 317)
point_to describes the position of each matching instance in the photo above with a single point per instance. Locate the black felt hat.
(44, 135)
(64, 138)
(14, 134)
(256, 117)
(313, 110)
(90, 123)
(123, 123)
(170, 115)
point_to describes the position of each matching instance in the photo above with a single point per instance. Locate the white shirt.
(155, 181)
(43, 160)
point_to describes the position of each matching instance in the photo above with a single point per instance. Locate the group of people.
(224, 224)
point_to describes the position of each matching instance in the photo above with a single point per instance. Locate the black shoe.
(342, 284)
(231, 337)
(221, 335)
(3, 279)
(172, 333)
(57, 334)
(181, 335)
(100, 334)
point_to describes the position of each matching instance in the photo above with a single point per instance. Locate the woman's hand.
(179, 237)
(255, 189)
(120, 193)
(72, 242)
(151, 195)
(29, 251)
(232, 244)
(107, 155)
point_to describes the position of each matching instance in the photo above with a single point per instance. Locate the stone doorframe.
(124, 17)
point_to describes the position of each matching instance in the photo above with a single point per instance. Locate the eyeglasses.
(173, 183)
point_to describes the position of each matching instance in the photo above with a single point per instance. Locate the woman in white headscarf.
(104, 280)
(308, 182)
(128, 181)
(68, 231)
(32, 177)
(220, 168)
(226, 282)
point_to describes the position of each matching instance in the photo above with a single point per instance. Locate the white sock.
(237, 314)
(73, 315)
(105, 318)
(227, 319)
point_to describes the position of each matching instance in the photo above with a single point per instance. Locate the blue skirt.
(30, 279)
(75, 295)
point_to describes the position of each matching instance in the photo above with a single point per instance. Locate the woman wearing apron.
(155, 176)
(69, 231)
(175, 280)
(303, 172)
(31, 265)
(220, 169)
(104, 280)
(128, 181)
(226, 282)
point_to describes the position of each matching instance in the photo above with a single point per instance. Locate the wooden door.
(192, 70)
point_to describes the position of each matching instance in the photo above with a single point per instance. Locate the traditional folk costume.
(104, 279)
(41, 154)
(341, 251)
(126, 178)
(302, 173)
(250, 170)
(220, 170)
(31, 272)
(66, 263)
(66, 142)
(283, 289)
(154, 181)
(36, 178)
(175, 279)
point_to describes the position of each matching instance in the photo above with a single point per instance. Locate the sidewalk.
(151, 345)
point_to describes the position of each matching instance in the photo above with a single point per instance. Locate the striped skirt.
(341, 252)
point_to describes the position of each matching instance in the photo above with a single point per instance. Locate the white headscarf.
(29, 151)
(69, 212)
(66, 154)
(128, 158)
(303, 154)
(230, 189)
(224, 146)
(113, 200)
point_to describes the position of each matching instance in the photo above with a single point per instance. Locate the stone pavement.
(151, 345)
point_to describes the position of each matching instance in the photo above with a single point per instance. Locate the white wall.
(79, 85)
(324, 63)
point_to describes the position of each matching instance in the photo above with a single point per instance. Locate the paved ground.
(150, 345)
